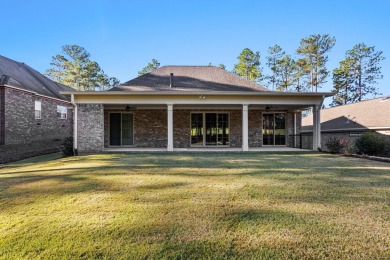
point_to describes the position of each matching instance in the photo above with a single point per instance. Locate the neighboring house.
(178, 108)
(350, 121)
(34, 116)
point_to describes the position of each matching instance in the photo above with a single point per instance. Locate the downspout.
(74, 125)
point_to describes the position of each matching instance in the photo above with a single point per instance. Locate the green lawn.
(199, 205)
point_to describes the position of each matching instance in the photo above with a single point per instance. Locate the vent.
(171, 80)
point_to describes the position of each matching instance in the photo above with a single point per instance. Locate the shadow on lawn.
(333, 183)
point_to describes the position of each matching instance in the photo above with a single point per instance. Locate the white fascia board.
(195, 100)
(190, 93)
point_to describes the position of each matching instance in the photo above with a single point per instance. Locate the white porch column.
(170, 128)
(315, 128)
(319, 127)
(245, 146)
(75, 127)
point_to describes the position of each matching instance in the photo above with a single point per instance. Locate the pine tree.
(275, 53)
(248, 66)
(357, 74)
(286, 67)
(366, 69)
(153, 65)
(314, 49)
(343, 83)
(75, 69)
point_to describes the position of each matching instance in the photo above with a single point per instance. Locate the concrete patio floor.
(206, 149)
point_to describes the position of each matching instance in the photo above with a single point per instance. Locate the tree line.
(353, 80)
(306, 71)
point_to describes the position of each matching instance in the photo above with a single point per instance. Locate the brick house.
(178, 108)
(350, 121)
(34, 116)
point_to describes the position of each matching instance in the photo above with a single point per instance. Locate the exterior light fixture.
(267, 109)
(202, 97)
(129, 108)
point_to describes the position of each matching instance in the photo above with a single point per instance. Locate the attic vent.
(171, 80)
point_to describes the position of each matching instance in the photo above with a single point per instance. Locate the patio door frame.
(285, 128)
(204, 128)
(109, 129)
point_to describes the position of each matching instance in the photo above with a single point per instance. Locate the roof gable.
(20, 75)
(189, 78)
(365, 114)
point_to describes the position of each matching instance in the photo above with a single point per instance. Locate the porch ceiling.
(271, 106)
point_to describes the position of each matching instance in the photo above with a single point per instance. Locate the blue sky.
(123, 36)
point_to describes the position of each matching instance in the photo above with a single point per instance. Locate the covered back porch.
(192, 122)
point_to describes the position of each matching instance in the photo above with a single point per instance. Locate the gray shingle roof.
(20, 75)
(362, 115)
(189, 78)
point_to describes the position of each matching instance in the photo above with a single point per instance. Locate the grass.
(201, 205)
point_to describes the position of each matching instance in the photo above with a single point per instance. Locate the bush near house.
(370, 143)
(67, 146)
(336, 145)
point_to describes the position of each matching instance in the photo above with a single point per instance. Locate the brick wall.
(23, 135)
(255, 128)
(90, 128)
(150, 128)
(2, 115)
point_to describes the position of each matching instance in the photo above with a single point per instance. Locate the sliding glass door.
(121, 129)
(274, 129)
(209, 129)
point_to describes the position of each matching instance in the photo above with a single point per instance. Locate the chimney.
(171, 81)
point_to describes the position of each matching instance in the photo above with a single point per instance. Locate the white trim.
(197, 93)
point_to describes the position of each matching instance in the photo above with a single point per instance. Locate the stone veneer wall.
(90, 128)
(21, 135)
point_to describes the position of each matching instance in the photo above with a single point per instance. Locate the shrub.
(67, 146)
(336, 145)
(370, 144)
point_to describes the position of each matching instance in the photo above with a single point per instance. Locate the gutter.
(189, 93)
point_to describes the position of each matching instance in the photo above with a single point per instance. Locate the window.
(209, 129)
(355, 133)
(62, 112)
(38, 110)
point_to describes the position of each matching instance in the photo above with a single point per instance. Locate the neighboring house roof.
(20, 75)
(189, 79)
(367, 114)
